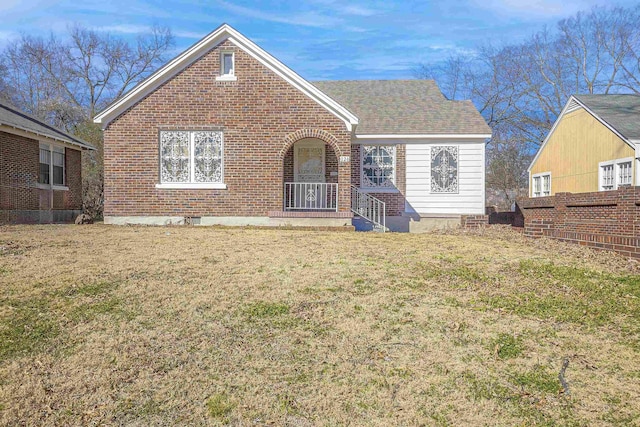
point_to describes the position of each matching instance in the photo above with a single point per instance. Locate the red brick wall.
(72, 199)
(19, 168)
(19, 160)
(604, 220)
(394, 202)
(256, 113)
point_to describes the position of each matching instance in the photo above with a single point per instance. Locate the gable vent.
(573, 105)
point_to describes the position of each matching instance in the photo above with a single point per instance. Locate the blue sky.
(319, 39)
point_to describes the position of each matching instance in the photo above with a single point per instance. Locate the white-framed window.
(378, 167)
(51, 172)
(444, 169)
(614, 173)
(191, 159)
(227, 66)
(541, 184)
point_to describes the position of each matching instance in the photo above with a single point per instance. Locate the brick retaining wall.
(603, 220)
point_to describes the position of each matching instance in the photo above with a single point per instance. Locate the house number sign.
(345, 159)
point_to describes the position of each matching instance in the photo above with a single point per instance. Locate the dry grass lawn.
(147, 326)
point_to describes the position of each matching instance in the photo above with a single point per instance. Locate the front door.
(309, 174)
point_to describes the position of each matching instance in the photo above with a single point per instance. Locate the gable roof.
(619, 112)
(405, 107)
(16, 119)
(186, 58)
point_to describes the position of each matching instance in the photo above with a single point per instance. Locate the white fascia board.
(419, 139)
(425, 136)
(567, 109)
(195, 52)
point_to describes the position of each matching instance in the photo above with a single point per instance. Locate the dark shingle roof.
(404, 107)
(14, 118)
(621, 112)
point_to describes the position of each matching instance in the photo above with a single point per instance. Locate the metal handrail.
(368, 207)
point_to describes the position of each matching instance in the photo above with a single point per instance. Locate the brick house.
(226, 134)
(40, 170)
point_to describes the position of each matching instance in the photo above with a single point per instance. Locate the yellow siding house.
(594, 145)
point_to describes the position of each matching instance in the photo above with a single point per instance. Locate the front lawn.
(146, 326)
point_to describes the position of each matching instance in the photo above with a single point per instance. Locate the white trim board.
(569, 108)
(195, 52)
(424, 136)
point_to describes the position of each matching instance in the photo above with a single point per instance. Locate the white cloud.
(535, 8)
(304, 19)
(124, 29)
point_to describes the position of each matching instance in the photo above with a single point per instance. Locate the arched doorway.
(310, 175)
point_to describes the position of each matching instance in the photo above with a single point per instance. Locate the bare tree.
(521, 89)
(66, 81)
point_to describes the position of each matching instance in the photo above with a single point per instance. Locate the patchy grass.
(197, 326)
(507, 346)
(219, 406)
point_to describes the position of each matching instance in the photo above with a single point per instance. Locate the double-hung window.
(52, 164)
(541, 184)
(378, 167)
(615, 173)
(191, 159)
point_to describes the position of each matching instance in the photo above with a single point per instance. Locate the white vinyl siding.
(469, 200)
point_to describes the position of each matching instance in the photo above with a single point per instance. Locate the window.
(444, 169)
(541, 184)
(378, 167)
(51, 165)
(615, 173)
(45, 166)
(624, 173)
(191, 158)
(227, 66)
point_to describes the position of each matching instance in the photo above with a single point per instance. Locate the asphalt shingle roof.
(12, 117)
(404, 107)
(621, 112)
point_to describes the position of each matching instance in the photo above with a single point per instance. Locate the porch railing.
(310, 196)
(369, 208)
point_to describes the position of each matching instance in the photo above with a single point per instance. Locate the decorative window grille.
(378, 166)
(444, 169)
(624, 173)
(608, 177)
(191, 157)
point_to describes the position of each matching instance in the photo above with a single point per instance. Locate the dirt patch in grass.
(198, 326)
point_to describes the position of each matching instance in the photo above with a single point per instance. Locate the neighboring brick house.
(40, 170)
(226, 134)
